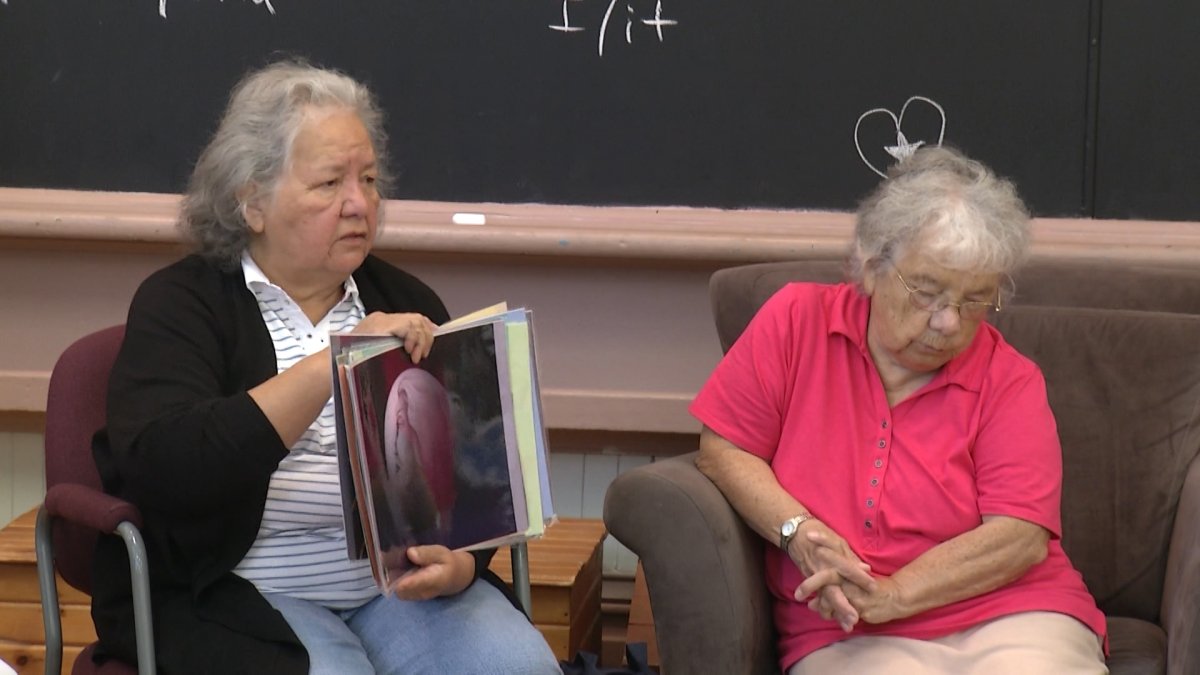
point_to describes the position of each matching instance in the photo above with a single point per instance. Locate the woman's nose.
(946, 320)
(354, 199)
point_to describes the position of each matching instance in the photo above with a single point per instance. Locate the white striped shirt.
(300, 549)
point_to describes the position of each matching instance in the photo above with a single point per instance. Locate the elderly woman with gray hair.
(220, 423)
(899, 457)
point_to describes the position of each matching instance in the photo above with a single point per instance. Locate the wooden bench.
(564, 578)
(21, 635)
(564, 573)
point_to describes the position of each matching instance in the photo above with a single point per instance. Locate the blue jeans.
(476, 631)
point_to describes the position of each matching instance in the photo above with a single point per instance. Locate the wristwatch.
(790, 527)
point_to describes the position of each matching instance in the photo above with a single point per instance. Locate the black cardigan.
(188, 446)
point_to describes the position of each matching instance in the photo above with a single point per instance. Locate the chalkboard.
(1148, 140)
(724, 103)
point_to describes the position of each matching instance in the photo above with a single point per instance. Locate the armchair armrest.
(72, 512)
(703, 566)
(1181, 587)
(90, 507)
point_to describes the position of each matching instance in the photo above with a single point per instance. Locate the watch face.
(789, 528)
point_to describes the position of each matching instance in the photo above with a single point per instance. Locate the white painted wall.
(577, 486)
(22, 473)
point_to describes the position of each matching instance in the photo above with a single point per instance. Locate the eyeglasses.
(971, 310)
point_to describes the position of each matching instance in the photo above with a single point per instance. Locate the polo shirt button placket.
(868, 524)
(870, 503)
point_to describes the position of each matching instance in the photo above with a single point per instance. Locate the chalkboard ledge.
(648, 234)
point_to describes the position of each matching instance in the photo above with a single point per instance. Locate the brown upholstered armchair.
(1120, 349)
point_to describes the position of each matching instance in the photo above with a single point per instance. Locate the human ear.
(870, 277)
(250, 204)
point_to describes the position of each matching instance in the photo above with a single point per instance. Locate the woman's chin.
(925, 359)
(345, 262)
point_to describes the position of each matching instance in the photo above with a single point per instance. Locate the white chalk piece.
(469, 219)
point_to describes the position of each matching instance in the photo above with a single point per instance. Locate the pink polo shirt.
(799, 389)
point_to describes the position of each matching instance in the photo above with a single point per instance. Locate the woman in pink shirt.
(898, 455)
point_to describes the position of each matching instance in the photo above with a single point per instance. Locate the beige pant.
(1030, 643)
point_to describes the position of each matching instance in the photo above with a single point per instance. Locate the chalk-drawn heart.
(903, 148)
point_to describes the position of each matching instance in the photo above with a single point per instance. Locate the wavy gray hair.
(253, 144)
(954, 208)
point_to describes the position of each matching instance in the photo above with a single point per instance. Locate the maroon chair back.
(75, 410)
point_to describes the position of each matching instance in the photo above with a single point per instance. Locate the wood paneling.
(30, 659)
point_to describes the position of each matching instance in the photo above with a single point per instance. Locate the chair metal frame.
(139, 571)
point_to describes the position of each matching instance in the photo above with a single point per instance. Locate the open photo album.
(449, 451)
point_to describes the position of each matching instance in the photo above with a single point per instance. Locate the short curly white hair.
(954, 208)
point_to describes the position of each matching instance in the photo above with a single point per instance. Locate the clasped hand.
(838, 584)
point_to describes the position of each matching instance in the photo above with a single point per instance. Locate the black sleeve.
(184, 435)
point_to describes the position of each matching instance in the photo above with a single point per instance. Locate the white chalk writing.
(566, 26)
(162, 6)
(633, 19)
(904, 148)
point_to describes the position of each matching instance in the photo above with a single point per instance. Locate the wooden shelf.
(565, 580)
(22, 638)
